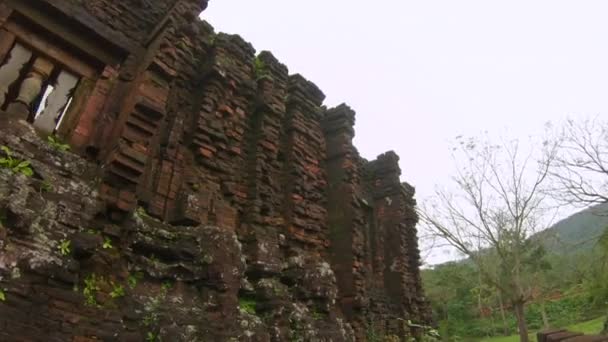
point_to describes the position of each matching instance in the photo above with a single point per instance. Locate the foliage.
(579, 232)
(118, 291)
(91, 287)
(2, 296)
(15, 165)
(57, 144)
(450, 288)
(588, 327)
(260, 69)
(496, 215)
(371, 334)
(107, 243)
(593, 326)
(211, 38)
(152, 310)
(248, 305)
(577, 293)
(133, 279)
(141, 212)
(65, 247)
(295, 330)
(46, 186)
(317, 316)
(495, 205)
(152, 337)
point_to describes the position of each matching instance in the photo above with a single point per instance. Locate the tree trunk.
(490, 330)
(505, 326)
(543, 313)
(521, 321)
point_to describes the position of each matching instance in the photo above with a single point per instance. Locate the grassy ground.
(589, 327)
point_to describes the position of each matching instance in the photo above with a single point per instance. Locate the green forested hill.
(576, 233)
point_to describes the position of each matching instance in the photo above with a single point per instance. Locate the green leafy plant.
(318, 316)
(15, 165)
(153, 306)
(65, 247)
(57, 144)
(248, 305)
(295, 330)
(165, 287)
(141, 212)
(211, 38)
(2, 296)
(258, 65)
(91, 287)
(153, 310)
(260, 69)
(107, 243)
(152, 337)
(133, 279)
(151, 318)
(46, 186)
(118, 291)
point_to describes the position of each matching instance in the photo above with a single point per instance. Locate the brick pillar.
(263, 215)
(389, 207)
(304, 179)
(346, 215)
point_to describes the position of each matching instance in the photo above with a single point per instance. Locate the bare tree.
(580, 173)
(496, 204)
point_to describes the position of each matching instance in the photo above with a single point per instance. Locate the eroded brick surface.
(209, 196)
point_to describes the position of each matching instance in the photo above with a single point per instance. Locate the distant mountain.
(576, 233)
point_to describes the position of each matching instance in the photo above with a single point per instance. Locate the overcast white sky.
(419, 73)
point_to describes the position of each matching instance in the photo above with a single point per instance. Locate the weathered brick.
(223, 175)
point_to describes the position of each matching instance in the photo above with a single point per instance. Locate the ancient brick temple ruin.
(207, 194)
